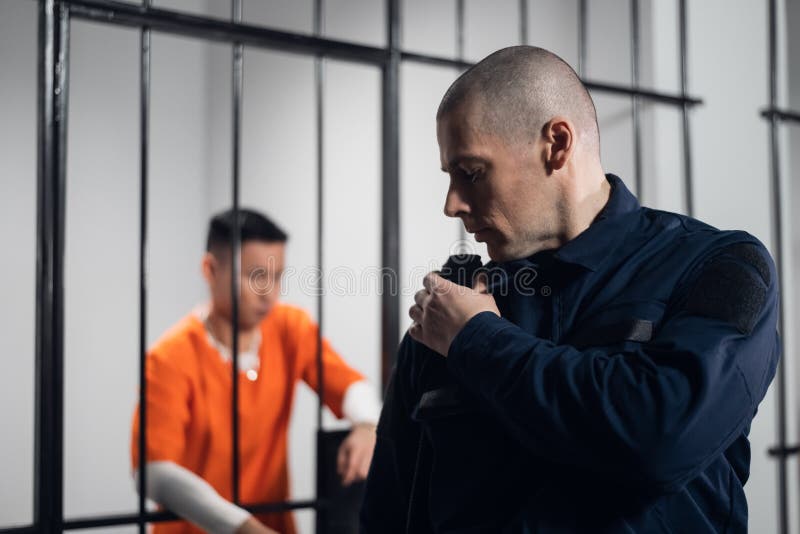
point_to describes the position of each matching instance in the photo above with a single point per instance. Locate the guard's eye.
(473, 175)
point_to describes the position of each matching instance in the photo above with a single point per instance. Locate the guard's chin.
(499, 253)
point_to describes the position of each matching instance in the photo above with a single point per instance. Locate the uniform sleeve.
(168, 396)
(651, 416)
(338, 376)
(391, 473)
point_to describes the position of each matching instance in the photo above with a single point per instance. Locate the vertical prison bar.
(53, 67)
(582, 37)
(523, 22)
(144, 162)
(319, 96)
(319, 80)
(777, 247)
(688, 191)
(236, 245)
(460, 46)
(636, 102)
(390, 194)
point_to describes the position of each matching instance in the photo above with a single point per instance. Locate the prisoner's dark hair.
(519, 89)
(253, 226)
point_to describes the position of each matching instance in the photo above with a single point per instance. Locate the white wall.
(101, 302)
(190, 176)
(18, 234)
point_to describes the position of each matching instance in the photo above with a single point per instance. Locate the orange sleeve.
(168, 392)
(337, 375)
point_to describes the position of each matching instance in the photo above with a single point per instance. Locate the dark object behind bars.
(339, 513)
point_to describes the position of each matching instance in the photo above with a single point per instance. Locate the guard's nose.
(454, 204)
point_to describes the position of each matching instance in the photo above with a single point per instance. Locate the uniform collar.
(594, 244)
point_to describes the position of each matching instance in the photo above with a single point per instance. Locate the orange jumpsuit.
(189, 407)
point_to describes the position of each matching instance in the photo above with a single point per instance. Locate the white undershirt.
(192, 498)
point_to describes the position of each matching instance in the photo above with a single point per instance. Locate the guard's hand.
(254, 526)
(355, 454)
(443, 308)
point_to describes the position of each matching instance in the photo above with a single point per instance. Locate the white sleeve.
(361, 403)
(192, 498)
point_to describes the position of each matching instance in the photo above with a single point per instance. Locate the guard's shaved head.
(517, 90)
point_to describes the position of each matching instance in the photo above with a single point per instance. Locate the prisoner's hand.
(355, 454)
(254, 526)
(443, 308)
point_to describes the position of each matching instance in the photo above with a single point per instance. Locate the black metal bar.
(319, 76)
(20, 530)
(635, 103)
(460, 51)
(160, 517)
(643, 94)
(53, 67)
(127, 14)
(236, 246)
(777, 247)
(782, 115)
(789, 450)
(523, 22)
(582, 37)
(390, 194)
(688, 187)
(646, 94)
(437, 61)
(144, 162)
(460, 42)
(118, 520)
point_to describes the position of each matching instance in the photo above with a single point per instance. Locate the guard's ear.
(559, 137)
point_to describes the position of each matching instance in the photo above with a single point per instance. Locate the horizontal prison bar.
(159, 517)
(126, 14)
(782, 115)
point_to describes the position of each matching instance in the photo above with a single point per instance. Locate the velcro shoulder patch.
(752, 255)
(732, 287)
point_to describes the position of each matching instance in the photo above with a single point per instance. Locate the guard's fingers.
(435, 283)
(420, 296)
(415, 312)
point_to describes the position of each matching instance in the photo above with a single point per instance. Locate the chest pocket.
(620, 324)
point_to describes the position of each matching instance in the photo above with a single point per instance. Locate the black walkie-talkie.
(461, 269)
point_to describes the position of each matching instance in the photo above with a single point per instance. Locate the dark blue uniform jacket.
(615, 393)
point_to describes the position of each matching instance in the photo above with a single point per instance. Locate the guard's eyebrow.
(463, 159)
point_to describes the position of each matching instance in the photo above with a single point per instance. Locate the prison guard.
(189, 407)
(617, 401)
